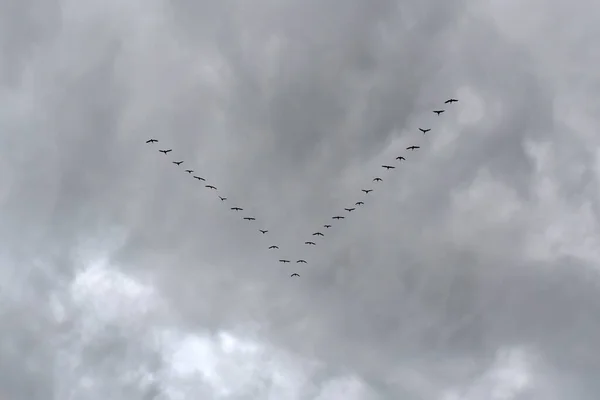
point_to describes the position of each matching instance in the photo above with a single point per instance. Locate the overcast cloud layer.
(470, 273)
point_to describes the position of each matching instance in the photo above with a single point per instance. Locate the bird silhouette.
(377, 180)
(189, 171)
(250, 218)
(223, 198)
(152, 141)
(413, 147)
(273, 247)
(450, 101)
(327, 226)
(367, 191)
(294, 275)
(400, 158)
(359, 203)
(349, 209)
(310, 243)
(338, 217)
(166, 151)
(388, 167)
(177, 162)
(199, 178)
(211, 187)
(301, 261)
(424, 130)
(263, 232)
(318, 234)
(236, 208)
(438, 112)
(284, 261)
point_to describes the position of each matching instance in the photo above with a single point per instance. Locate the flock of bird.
(326, 226)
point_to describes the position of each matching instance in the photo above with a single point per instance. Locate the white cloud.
(507, 378)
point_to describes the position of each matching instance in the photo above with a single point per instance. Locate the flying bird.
(349, 209)
(294, 275)
(338, 217)
(189, 171)
(166, 151)
(178, 162)
(236, 208)
(413, 147)
(388, 167)
(199, 178)
(424, 130)
(327, 226)
(367, 190)
(450, 101)
(223, 198)
(152, 141)
(438, 112)
(250, 218)
(377, 180)
(318, 234)
(284, 261)
(273, 247)
(301, 261)
(400, 158)
(359, 203)
(311, 243)
(211, 187)
(263, 232)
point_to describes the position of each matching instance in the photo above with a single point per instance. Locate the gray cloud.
(482, 241)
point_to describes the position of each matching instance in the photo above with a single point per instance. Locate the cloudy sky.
(471, 273)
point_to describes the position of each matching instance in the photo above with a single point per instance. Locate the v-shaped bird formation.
(251, 219)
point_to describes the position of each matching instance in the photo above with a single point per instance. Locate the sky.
(471, 272)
